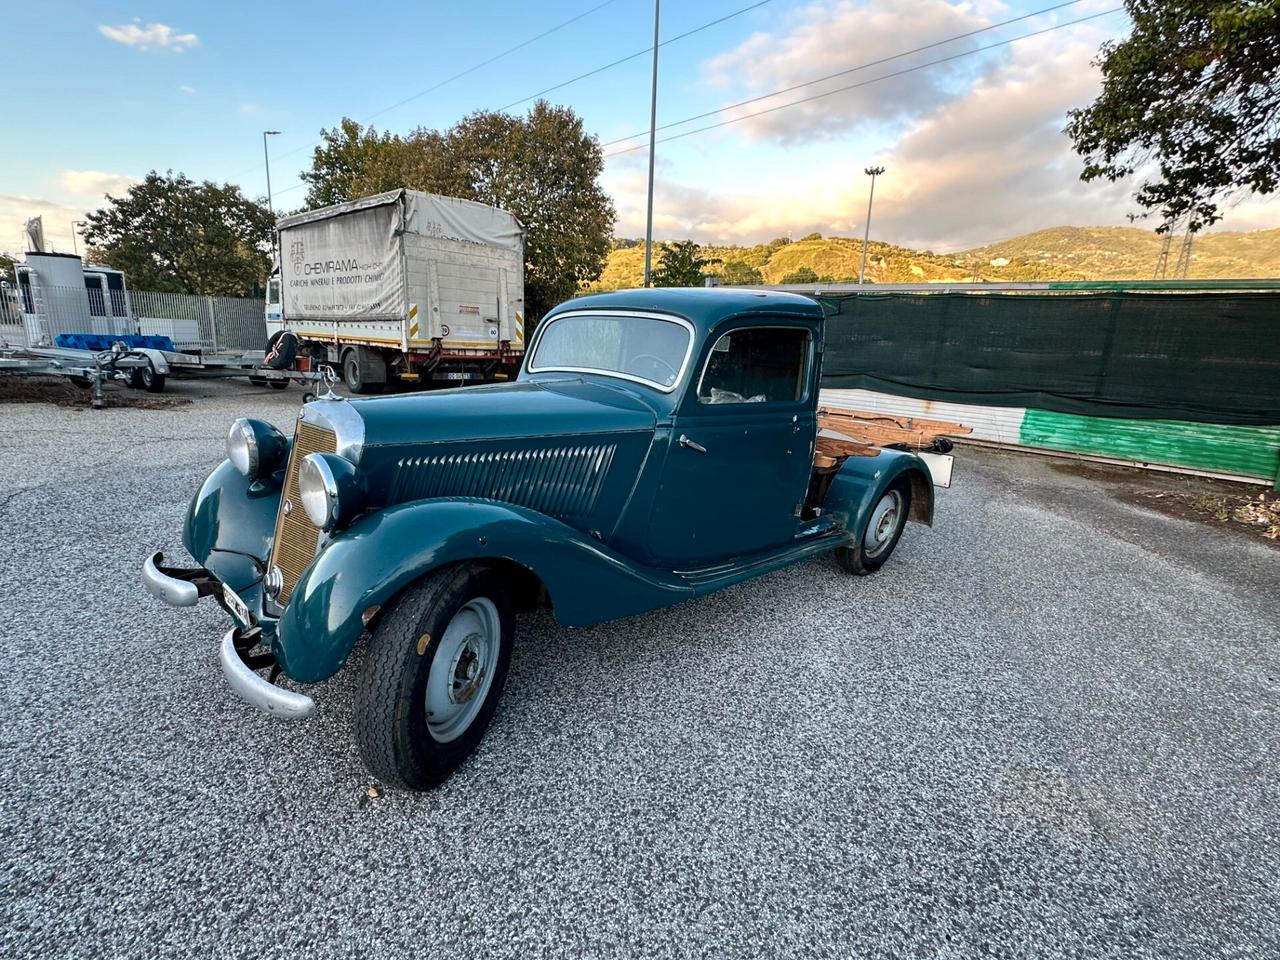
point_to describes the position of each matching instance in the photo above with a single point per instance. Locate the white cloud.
(151, 36)
(96, 183)
(186, 89)
(831, 38)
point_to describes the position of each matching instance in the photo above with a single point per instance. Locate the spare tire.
(282, 350)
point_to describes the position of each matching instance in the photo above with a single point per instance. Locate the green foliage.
(1193, 92)
(740, 273)
(172, 234)
(543, 168)
(6, 268)
(805, 275)
(681, 265)
(811, 236)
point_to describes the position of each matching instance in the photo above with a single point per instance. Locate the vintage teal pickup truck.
(657, 445)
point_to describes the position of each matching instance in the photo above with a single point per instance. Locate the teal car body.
(603, 493)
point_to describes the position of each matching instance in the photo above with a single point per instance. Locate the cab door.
(741, 444)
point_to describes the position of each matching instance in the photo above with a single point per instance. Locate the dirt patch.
(1239, 508)
(16, 388)
(1241, 511)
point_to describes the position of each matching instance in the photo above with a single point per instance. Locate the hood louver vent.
(558, 481)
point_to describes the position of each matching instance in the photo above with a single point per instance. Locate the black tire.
(278, 384)
(858, 559)
(151, 381)
(135, 378)
(352, 378)
(258, 381)
(282, 350)
(392, 726)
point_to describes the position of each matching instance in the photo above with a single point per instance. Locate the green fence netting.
(1212, 358)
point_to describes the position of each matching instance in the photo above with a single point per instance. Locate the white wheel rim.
(883, 524)
(462, 669)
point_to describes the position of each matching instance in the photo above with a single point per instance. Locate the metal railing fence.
(37, 314)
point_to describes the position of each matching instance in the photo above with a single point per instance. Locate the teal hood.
(545, 408)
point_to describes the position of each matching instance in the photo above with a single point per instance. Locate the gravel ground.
(1048, 728)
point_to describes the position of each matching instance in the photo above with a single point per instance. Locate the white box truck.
(400, 285)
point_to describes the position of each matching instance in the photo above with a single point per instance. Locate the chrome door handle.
(692, 444)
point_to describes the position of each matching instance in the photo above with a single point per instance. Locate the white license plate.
(458, 375)
(239, 609)
(939, 466)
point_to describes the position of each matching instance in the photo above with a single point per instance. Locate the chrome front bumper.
(258, 690)
(184, 588)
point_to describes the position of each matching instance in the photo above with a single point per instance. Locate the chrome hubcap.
(883, 524)
(462, 669)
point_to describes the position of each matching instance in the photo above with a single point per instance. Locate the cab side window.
(756, 365)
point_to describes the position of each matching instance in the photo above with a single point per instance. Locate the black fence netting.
(1212, 358)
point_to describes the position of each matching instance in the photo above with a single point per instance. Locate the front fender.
(861, 481)
(230, 524)
(380, 555)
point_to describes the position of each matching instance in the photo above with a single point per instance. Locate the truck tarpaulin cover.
(345, 262)
(1211, 358)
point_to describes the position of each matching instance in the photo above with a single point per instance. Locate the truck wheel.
(435, 669)
(881, 532)
(352, 378)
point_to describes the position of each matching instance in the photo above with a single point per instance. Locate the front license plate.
(239, 609)
(458, 375)
(940, 466)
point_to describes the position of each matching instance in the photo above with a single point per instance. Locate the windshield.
(645, 348)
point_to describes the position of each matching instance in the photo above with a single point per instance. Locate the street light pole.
(872, 172)
(653, 131)
(74, 247)
(266, 159)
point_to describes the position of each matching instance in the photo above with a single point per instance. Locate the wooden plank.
(883, 429)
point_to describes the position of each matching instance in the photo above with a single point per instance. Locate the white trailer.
(400, 285)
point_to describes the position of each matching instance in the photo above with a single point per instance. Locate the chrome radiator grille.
(558, 481)
(296, 537)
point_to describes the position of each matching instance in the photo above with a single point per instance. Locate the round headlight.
(318, 491)
(255, 448)
(330, 489)
(242, 448)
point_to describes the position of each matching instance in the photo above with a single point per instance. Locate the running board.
(705, 580)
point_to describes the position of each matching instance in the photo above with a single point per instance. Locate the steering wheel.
(658, 361)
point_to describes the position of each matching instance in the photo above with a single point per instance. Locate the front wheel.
(880, 533)
(435, 669)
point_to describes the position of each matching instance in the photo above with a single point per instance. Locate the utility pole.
(872, 172)
(266, 159)
(653, 132)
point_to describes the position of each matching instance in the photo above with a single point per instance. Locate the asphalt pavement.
(1047, 728)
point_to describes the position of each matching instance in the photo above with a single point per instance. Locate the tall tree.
(681, 265)
(740, 273)
(172, 234)
(543, 168)
(1190, 102)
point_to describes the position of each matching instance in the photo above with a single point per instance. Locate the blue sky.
(974, 150)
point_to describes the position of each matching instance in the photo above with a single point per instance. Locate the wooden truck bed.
(863, 433)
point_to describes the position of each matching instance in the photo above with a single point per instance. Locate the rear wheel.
(436, 666)
(880, 533)
(354, 378)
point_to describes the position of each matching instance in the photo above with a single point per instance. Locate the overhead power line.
(841, 73)
(457, 76)
(854, 86)
(639, 53)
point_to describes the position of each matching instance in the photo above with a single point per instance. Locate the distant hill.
(1058, 253)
